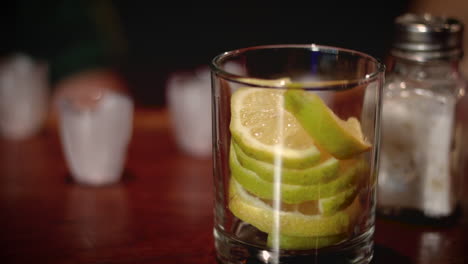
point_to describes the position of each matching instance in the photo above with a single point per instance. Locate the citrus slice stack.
(255, 211)
(342, 139)
(295, 167)
(265, 130)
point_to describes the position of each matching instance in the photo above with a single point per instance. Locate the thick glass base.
(232, 251)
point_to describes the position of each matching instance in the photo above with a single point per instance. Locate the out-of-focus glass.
(95, 135)
(295, 152)
(24, 91)
(189, 108)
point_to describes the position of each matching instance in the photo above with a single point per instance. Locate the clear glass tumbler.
(295, 150)
(95, 137)
(24, 95)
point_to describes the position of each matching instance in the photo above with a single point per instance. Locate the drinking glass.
(95, 137)
(24, 95)
(295, 153)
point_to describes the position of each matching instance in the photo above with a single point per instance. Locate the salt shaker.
(420, 152)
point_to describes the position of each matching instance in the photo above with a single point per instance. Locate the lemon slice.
(265, 130)
(254, 211)
(342, 139)
(331, 205)
(293, 194)
(320, 173)
(302, 243)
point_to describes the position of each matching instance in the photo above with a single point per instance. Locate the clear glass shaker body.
(420, 156)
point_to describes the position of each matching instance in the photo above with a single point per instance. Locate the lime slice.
(293, 194)
(320, 173)
(342, 139)
(252, 210)
(302, 243)
(331, 205)
(266, 131)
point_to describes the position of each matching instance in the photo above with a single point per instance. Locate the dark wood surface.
(161, 211)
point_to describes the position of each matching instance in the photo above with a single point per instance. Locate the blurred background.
(145, 41)
(145, 48)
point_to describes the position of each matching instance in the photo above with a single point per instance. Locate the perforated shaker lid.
(427, 37)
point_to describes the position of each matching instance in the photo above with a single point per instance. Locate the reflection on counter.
(94, 209)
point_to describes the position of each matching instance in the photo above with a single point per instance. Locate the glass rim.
(311, 85)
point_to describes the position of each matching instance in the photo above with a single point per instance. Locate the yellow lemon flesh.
(266, 131)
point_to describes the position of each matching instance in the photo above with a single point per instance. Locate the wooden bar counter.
(161, 211)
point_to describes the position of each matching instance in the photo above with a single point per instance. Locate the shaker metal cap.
(427, 37)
